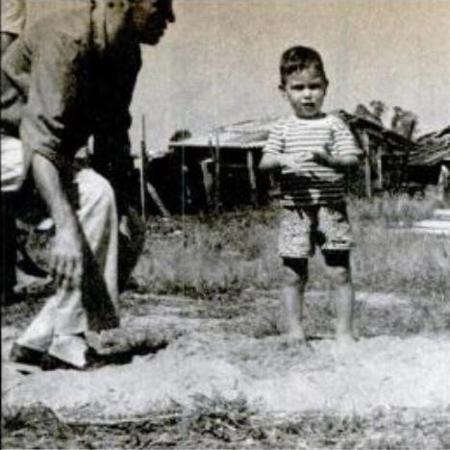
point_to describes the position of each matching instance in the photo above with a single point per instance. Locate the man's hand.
(66, 263)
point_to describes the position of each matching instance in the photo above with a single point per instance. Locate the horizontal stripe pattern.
(305, 182)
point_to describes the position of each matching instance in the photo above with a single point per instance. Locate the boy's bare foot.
(295, 337)
(345, 343)
(345, 339)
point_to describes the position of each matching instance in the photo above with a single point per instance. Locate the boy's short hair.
(299, 58)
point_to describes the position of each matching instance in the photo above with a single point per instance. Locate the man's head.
(150, 19)
(303, 80)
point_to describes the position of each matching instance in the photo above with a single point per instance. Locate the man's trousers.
(60, 326)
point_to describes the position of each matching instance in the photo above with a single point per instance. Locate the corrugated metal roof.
(431, 149)
(253, 134)
(246, 135)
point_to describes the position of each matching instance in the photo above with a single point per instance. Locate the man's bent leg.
(99, 294)
(69, 314)
(8, 256)
(14, 165)
(98, 217)
(13, 172)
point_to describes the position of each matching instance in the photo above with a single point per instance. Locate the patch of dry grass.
(220, 257)
(218, 423)
(394, 209)
(233, 252)
(212, 254)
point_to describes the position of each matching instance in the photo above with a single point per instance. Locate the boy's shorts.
(304, 228)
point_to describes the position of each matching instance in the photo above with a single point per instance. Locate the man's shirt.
(304, 182)
(59, 87)
(12, 16)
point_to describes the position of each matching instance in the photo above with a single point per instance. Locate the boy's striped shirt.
(305, 182)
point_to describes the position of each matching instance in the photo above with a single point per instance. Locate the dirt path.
(216, 356)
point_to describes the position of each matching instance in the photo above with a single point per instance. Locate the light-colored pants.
(14, 164)
(66, 315)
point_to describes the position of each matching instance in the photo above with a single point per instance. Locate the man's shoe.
(25, 355)
(11, 297)
(96, 360)
(49, 362)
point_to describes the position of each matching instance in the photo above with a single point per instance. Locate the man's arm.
(112, 156)
(48, 118)
(12, 21)
(112, 159)
(6, 40)
(67, 255)
(13, 16)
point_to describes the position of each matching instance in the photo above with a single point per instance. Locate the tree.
(404, 122)
(378, 109)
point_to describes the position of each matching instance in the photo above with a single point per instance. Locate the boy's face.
(305, 91)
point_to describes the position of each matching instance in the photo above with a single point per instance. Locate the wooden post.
(365, 140)
(157, 199)
(183, 181)
(142, 168)
(252, 177)
(380, 178)
(208, 182)
(443, 184)
(217, 204)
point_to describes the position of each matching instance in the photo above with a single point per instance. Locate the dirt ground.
(231, 352)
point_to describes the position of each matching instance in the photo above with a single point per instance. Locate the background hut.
(219, 170)
(429, 163)
(220, 167)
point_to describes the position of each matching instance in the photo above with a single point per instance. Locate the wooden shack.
(429, 163)
(220, 167)
(386, 154)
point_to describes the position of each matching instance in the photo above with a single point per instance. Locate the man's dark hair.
(299, 58)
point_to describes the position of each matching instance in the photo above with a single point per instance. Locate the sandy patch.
(384, 371)
(380, 372)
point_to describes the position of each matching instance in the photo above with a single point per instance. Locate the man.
(69, 77)
(12, 22)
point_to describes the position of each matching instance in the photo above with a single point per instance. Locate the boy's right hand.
(303, 159)
(298, 162)
(269, 161)
(318, 156)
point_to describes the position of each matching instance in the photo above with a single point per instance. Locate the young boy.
(313, 151)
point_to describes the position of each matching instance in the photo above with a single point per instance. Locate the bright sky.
(218, 64)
